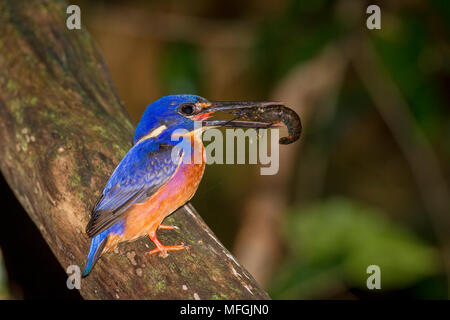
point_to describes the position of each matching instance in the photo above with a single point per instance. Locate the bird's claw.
(163, 250)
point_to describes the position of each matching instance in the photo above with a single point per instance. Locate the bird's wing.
(143, 170)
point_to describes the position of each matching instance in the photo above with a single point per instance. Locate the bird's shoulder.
(144, 169)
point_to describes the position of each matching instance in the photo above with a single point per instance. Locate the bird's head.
(164, 116)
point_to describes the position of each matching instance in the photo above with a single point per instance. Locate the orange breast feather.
(144, 218)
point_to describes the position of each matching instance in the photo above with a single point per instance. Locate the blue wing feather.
(144, 169)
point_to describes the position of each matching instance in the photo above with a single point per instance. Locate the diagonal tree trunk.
(63, 130)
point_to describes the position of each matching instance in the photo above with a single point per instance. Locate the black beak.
(240, 110)
(255, 114)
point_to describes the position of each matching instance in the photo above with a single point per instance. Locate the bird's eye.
(188, 109)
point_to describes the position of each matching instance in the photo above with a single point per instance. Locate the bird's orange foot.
(168, 227)
(162, 249)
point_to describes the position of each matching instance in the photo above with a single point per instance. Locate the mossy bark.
(63, 130)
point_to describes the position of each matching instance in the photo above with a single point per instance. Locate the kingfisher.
(157, 176)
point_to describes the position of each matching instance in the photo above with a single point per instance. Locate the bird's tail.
(97, 245)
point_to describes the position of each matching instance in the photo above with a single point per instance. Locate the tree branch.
(63, 131)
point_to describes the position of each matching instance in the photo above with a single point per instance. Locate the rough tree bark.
(63, 130)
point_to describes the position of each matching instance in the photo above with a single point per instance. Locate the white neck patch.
(153, 134)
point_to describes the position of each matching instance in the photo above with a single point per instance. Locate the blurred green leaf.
(340, 239)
